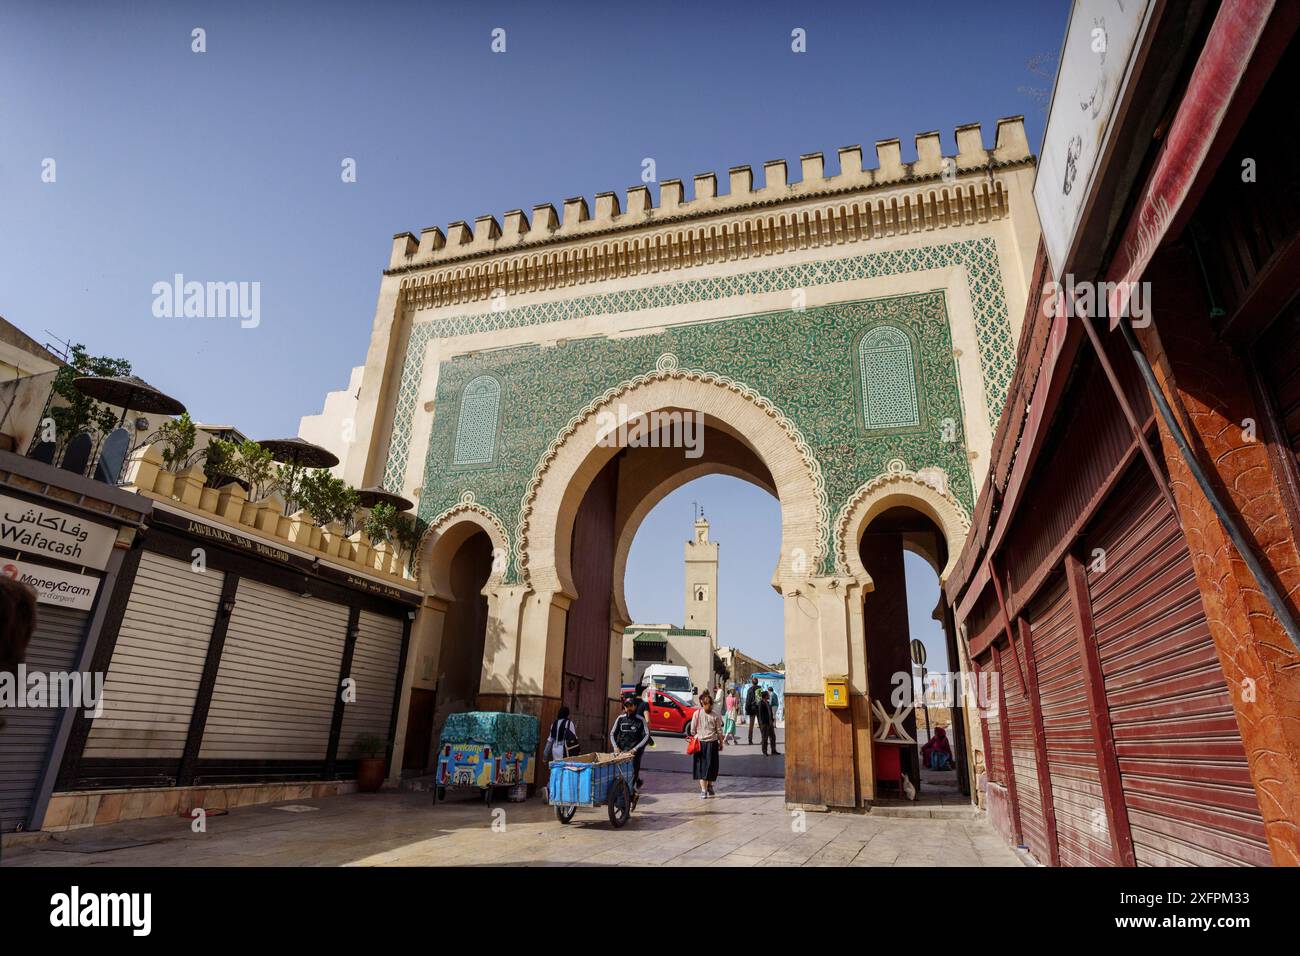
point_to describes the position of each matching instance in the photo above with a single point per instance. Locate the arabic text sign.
(1100, 42)
(36, 529)
(53, 586)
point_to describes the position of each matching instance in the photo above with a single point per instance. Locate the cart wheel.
(487, 796)
(565, 814)
(620, 804)
(439, 793)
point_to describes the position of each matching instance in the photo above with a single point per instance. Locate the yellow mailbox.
(837, 692)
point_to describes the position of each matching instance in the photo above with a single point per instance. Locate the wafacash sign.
(38, 530)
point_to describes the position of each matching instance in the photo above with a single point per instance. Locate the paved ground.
(746, 825)
(736, 760)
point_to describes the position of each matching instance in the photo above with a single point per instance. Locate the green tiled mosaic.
(806, 363)
(978, 256)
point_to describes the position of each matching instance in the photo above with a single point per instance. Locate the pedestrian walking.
(767, 724)
(751, 706)
(706, 728)
(729, 718)
(563, 739)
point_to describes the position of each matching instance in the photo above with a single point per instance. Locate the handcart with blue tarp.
(592, 780)
(486, 750)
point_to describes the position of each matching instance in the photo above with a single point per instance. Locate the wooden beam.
(1139, 435)
(208, 681)
(1040, 743)
(1112, 790)
(1006, 621)
(345, 671)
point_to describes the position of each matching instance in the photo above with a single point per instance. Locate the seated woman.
(937, 754)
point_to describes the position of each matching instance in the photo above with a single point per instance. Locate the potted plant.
(371, 752)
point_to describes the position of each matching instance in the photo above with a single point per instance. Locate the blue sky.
(225, 165)
(746, 522)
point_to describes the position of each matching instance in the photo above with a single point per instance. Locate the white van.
(673, 678)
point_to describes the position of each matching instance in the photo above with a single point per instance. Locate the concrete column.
(425, 640)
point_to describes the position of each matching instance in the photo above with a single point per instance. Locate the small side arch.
(897, 486)
(447, 532)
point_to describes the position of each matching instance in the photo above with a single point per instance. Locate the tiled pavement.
(746, 825)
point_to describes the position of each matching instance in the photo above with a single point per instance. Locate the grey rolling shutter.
(153, 679)
(275, 690)
(29, 732)
(374, 669)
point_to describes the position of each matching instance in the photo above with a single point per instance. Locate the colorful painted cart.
(485, 750)
(592, 780)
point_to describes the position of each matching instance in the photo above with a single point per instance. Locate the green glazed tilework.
(805, 363)
(979, 256)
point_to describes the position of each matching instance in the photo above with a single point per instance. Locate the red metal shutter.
(1182, 766)
(1024, 757)
(1071, 751)
(994, 760)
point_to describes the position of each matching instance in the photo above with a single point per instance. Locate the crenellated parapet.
(584, 243)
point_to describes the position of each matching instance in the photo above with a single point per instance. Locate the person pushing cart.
(630, 734)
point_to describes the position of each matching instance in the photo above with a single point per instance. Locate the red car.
(669, 714)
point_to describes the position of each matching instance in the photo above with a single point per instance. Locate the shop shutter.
(278, 680)
(374, 668)
(994, 760)
(1024, 754)
(1081, 827)
(28, 733)
(1182, 766)
(157, 664)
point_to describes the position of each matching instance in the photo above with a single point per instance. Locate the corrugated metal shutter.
(157, 664)
(995, 760)
(275, 690)
(1081, 827)
(29, 732)
(374, 669)
(1024, 754)
(1182, 766)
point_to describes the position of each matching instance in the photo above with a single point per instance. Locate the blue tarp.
(505, 732)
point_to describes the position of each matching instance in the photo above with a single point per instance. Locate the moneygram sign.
(52, 585)
(47, 533)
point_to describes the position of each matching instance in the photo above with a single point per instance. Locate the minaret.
(702, 581)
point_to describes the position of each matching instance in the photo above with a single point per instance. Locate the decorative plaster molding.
(666, 368)
(929, 485)
(443, 520)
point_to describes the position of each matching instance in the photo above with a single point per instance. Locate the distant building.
(334, 427)
(739, 666)
(28, 370)
(696, 644)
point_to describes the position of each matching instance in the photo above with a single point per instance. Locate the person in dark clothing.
(17, 622)
(751, 707)
(630, 734)
(562, 742)
(767, 724)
